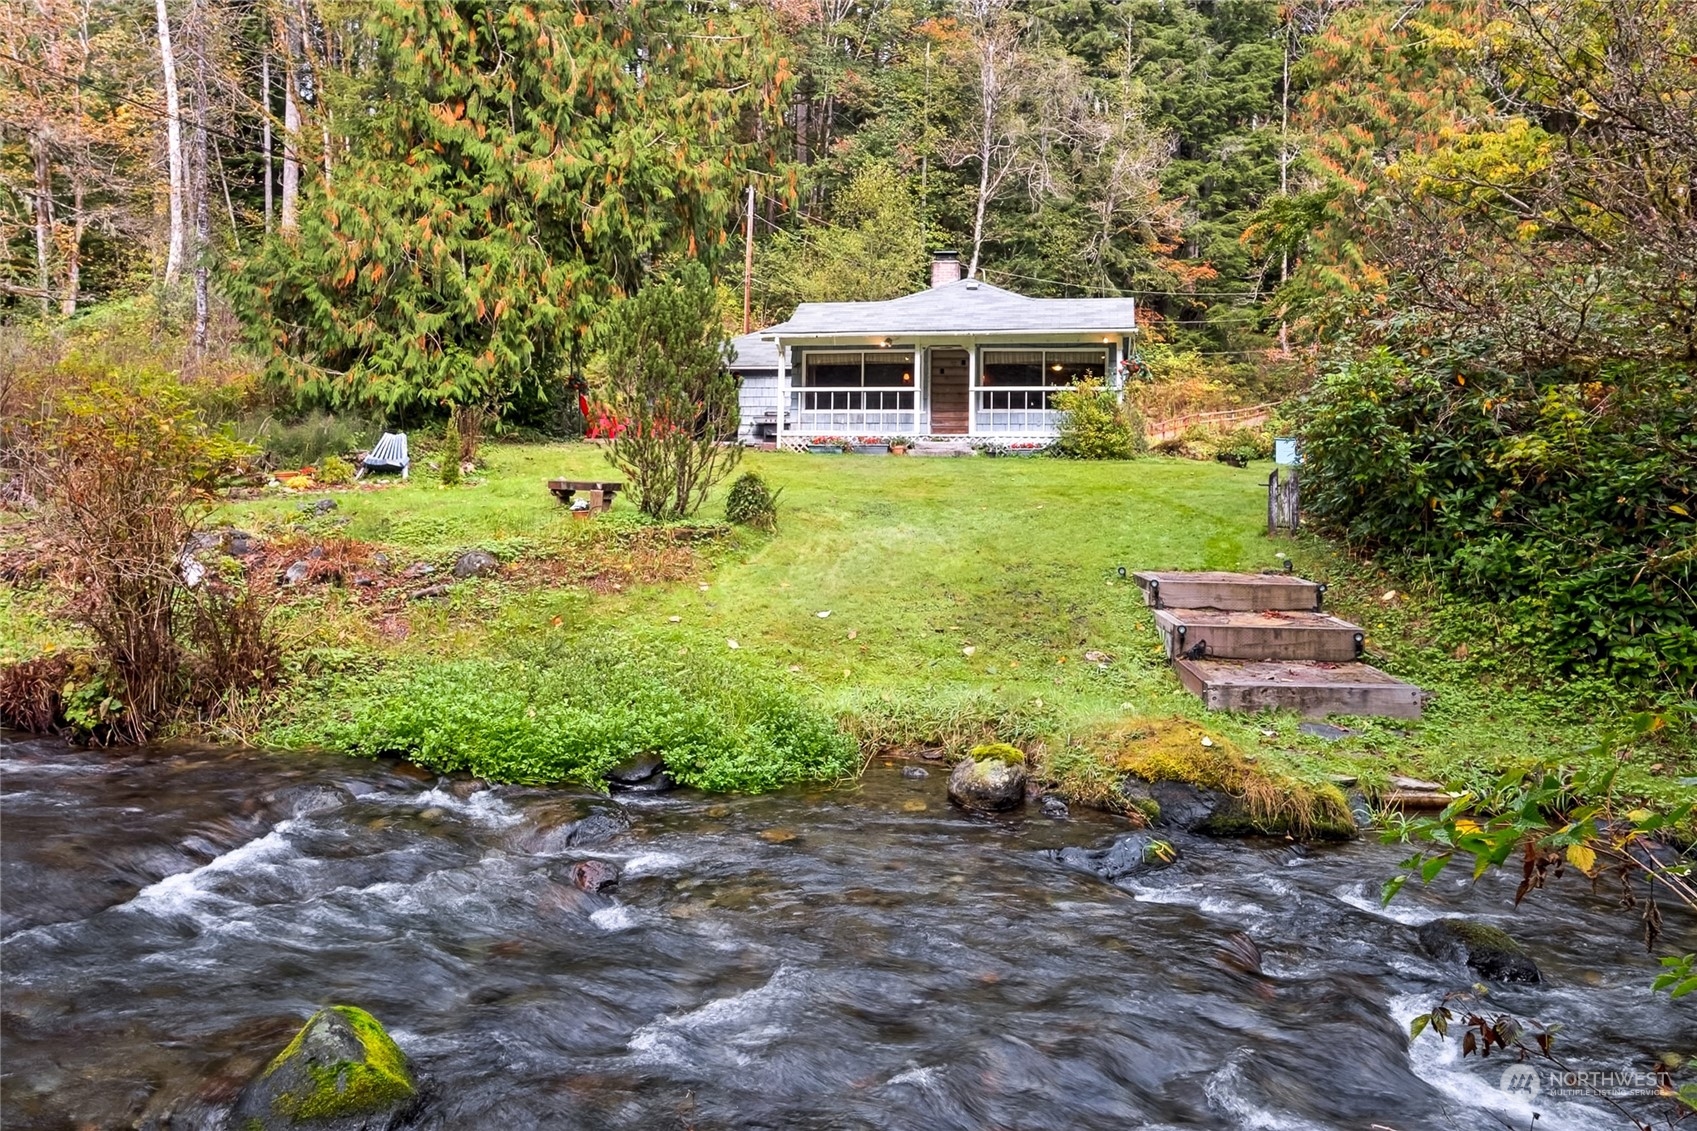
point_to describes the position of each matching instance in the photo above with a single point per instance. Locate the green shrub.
(553, 716)
(752, 502)
(305, 442)
(334, 469)
(1095, 425)
(1569, 501)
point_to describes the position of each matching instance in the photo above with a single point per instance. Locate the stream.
(863, 957)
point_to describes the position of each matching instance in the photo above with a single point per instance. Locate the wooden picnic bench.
(600, 493)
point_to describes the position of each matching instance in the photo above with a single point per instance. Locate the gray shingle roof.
(749, 354)
(967, 306)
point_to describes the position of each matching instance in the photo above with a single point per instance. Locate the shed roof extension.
(752, 353)
(969, 306)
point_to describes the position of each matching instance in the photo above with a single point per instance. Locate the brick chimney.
(945, 268)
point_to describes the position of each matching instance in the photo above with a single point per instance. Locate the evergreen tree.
(662, 354)
(527, 165)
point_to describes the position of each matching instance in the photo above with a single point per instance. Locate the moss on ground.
(1261, 798)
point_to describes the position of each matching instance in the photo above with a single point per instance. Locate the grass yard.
(962, 594)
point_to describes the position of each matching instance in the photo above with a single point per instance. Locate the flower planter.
(825, 449)
(898, 449)
(871, 449)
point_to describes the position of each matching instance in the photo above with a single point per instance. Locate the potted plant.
(825, 445)
(899, 445)
(870, 446)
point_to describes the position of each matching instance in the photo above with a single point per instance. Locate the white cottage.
(962, 358)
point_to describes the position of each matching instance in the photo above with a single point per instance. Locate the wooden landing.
(1229, 592)
(1313, 689)
(1259, 635)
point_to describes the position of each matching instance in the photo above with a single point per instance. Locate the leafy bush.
(752, 502)
(333, 470)
(127, 462)
(1569, 501)
(1095, 425)
(552, 716)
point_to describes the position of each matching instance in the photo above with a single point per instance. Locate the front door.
(950, 401)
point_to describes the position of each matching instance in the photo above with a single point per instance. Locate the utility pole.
(748, 264)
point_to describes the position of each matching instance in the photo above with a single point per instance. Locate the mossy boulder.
(342, 1072)
(988, 783)
(1486, 949)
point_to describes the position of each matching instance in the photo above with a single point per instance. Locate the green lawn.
(955, 585)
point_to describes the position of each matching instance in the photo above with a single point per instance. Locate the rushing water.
(813, 959)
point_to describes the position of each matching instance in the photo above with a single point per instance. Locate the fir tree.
(526, 165)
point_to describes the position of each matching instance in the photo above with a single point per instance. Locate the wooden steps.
(1230, 592)
(1250, 642)
(1312, 689)
(1269, 635)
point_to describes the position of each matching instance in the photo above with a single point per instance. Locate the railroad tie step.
(1229, 592)
(1260, 635)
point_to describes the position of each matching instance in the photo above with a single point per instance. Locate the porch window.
(1015, 386)
(864, 391)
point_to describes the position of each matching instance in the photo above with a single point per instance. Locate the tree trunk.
(173, 144)
(73, 249)
(202, 179)
(265, 131)
(43, 216)
(288, 218)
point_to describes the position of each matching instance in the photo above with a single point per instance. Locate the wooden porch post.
(921, 390)
(972, 388)
(783, 394)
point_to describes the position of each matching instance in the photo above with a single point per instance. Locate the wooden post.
(1273, 503)
(748, 264)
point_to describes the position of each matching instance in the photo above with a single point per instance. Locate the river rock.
(1127, 856)
(915, 772)
(296, 573)
(342, 1072)
(300, 800)
(637, 769)
(1484, 948)
(1054, 808)
(1179, 805)
(475, 563)
(987, 784)
(593, 875)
